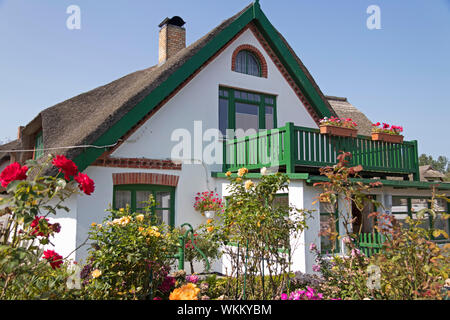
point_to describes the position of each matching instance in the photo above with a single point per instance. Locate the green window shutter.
(134, 195)
(38, 146)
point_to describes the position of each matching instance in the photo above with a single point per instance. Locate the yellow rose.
(210, 229)
(122, 210)
(242, 171)
(93, 224)
(248, 184)
(209, 221)
(238, 179)
(140, 217)
(228, 174)
(96, 273)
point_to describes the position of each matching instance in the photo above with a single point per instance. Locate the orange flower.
(209, 221)
(210, 229)
(186, 292)
(228, 173)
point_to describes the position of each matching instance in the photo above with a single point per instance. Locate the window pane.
(269, 100)
(162, 216)
(252, 65)
(327, 225)
(246, 116)
(122, 198)
(440, 205)
(399, 205)
(163, 199)
(240, 62)
(281, 201)
(441, 224)
(269, 118)
(223, 116)
(142, 196)
(326, 207)
(418, 204)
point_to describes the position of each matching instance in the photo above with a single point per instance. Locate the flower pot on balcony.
(386, 137)
(339, 131)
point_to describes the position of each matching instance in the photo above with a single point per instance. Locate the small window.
(39, 146)
(135, 195)
(247, 63)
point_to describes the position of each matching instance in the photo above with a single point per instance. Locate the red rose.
(36, 228)
(54, 258)
(85, 183)
(65, 165)
(13, 172)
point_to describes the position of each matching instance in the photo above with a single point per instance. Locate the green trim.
(390, 183)
(121, 127)
(148, 187)
(262, 104)
(251, 175)
(336, 216)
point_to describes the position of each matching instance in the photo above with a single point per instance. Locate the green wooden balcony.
(300, 149)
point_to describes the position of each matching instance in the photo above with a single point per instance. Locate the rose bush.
(26, 270)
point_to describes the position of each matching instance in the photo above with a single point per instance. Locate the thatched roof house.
(427, 173)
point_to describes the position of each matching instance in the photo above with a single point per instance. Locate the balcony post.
(289, 147)
(416, 174)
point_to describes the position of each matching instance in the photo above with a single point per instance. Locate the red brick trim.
(284, 72)
(256, 52)
(269, 51)
(143, 163)
(145, 178)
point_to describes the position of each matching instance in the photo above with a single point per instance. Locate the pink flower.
(316, 268)
(284, 296)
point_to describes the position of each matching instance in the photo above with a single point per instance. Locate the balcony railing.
(296, 147)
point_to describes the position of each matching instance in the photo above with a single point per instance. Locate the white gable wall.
(198, 101)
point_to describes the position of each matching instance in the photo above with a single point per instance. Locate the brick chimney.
(172, 38)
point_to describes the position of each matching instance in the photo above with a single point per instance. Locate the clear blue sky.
(399, 74)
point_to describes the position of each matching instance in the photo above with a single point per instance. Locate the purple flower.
(192, 278)
(316, 268)
(312, 246)
(167, 284)
(284, 296)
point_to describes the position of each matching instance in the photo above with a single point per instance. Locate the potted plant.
(344, 127)
(208, 203)
(387, 133)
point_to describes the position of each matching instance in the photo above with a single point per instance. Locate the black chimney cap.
(175, 20)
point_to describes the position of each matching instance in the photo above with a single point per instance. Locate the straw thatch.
(345, 109)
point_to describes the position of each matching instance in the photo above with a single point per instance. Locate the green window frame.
(323, 249)
(247, 63)
(38, 146)
(228, 97)
(410, 211)
(135, 205)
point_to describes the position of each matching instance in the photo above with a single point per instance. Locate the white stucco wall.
(198, 101)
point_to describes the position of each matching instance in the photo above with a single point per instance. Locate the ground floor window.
(136, 195)
(329, 223)
(408, 206)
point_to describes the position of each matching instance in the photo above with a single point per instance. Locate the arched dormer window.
(247, 63)
(248, 60)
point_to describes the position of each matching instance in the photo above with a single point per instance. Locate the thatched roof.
(13, 145)
(345, 109)
(427, 173)
(83, 119)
